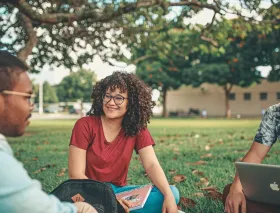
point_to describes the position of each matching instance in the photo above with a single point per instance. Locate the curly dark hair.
(140, 104)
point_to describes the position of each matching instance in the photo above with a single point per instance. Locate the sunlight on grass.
(170, 123)
(182, 145)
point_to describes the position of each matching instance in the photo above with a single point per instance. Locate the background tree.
(232, 64)
(76, 86)
(158, 76)
(227, 57)
(270, 43)
(161, 61)
(242, 48)
(49, 93)
(35, 88)
(230, 56)
(69, 33)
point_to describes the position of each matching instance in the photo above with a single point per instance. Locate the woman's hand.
(169, 205)
(125, 204)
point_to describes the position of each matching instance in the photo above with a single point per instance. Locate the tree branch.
(31, 39)
(195, 3)
(96, 14)
(10, 27)
(238, 13)
(142, 58)
(228, 89)
(208, 26)
(210, 40)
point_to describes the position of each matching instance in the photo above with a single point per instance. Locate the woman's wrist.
(168, 194)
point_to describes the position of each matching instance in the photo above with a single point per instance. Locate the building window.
(247, 96)
(231, 96)
(263, 96)
(278, 95)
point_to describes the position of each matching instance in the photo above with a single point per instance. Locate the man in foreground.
(267, 134)
(18, 192)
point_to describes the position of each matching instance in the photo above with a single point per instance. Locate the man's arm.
(19, 193)
(236, 198)
(266, 136)
(256, 154)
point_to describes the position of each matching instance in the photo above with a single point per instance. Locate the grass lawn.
(216, 144)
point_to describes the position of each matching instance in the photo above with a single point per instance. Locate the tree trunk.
(227, 90)
(227, 107)
(82, 107)
(164, 112)
(66, 108)
(31, 39)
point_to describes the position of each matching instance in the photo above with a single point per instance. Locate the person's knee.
(176, 193)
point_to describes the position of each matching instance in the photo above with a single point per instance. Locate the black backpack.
(99, 195)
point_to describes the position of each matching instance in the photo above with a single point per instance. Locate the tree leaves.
(77, 85)
(62, 172)
(44, 168)
(196, 172)
(187, 202)
(208, 155)
(200, 162)
(49, 93)
(215, 195)
(171, 171)
(179, 178)
(203, 182)
(35, 158)
(207, 191)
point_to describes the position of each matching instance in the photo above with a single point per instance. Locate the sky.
(100, 68)
(103, 69)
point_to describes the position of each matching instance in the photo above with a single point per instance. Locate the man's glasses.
(30, 97)
(118, 99)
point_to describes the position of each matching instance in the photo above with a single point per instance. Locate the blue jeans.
(154, 201)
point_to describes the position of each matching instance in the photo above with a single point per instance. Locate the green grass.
(45, 145)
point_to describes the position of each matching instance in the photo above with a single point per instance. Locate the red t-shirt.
(107, 162)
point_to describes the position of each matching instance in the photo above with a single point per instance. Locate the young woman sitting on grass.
(102, 143)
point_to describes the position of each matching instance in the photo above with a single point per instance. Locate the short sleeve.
(82, 134)
(267, 131)
(143, 139)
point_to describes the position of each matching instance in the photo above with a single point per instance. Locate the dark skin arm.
(236, 198)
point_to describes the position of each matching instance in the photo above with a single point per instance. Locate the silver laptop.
(260, 182)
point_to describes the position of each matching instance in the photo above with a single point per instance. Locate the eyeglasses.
(30, 97)
(118, 99)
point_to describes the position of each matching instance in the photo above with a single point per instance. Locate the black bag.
(99, 195)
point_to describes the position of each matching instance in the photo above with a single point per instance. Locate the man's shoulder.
(4, 146)
(12, 172)
(274, 110)
(10, 166)
(10, 161)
